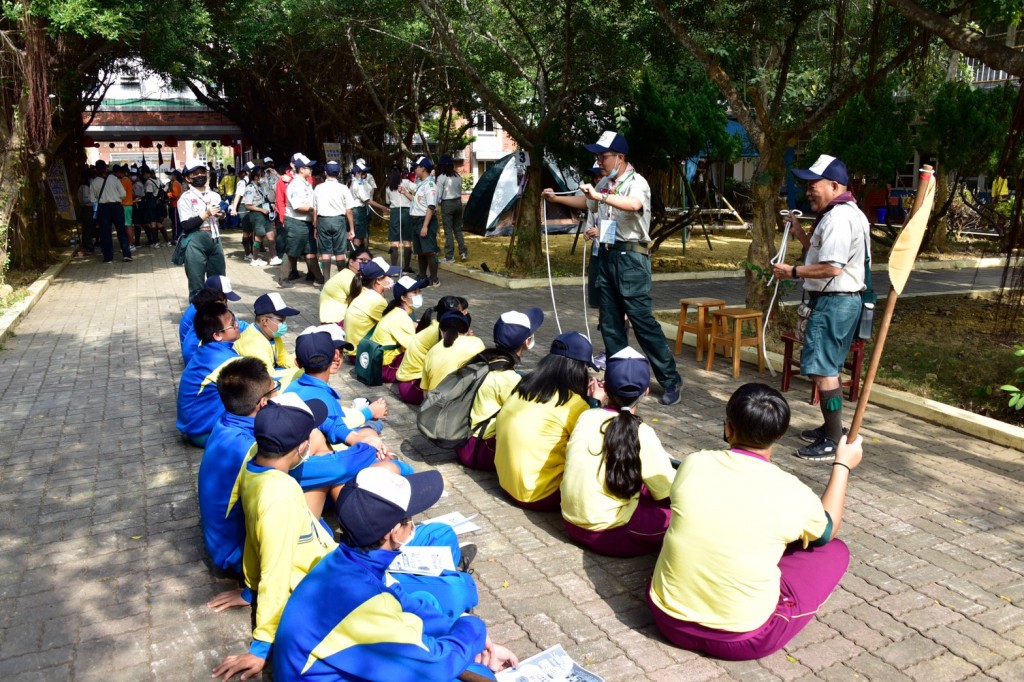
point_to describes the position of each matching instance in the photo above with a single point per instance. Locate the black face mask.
(198, 182)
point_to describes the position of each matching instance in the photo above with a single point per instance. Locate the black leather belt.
(635, 247)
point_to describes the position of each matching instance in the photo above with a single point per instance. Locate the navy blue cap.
(513, 328)
(628, 374)
(314, 349)
(407, 284)
(610, 141)
(378, 499)
(424, 163)
(223, 285)
(332, 168)
(445, 160)
(378, 267)
(825, 168)
(574, 346)
(286, 421)
(272, 303)
(454, 318)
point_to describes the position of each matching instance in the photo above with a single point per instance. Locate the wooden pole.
(883, 328)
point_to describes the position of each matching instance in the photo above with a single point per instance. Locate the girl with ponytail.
(617, 474)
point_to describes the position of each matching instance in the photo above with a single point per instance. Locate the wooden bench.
(854, 363)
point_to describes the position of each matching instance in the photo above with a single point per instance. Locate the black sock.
(423, 264)
(393, 251)
(432, 263)
(832, 411)
(407, 259)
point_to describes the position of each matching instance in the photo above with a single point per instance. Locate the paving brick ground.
(101, 574)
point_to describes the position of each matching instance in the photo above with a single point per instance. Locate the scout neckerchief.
(212, 221)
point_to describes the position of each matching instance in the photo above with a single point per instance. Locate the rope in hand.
(547, 256)
(779, 257)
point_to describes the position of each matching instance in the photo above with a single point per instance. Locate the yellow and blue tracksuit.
(199, 403)
(187, 335)
(344, 622)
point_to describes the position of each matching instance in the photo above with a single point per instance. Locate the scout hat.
(513, 327)
(825, 168)
(407, 284)
(425, 163)
(272, 303)
(378, 267)
(628, 374)
(223, 285)
(574, 346)
(610, 141)
(286, 421)
(377, 499)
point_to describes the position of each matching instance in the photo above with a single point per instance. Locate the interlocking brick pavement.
(102, 574)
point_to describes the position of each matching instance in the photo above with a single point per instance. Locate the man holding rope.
(838, 250)
(623, 277)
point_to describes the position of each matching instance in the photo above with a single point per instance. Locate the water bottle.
(867, 321)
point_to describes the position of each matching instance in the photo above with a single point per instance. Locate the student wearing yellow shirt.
(283, 540)
(457, 346)
(533, 426)
(617, 475)
(428, 333)
(334, 295)
(396, 326)
(513, 336)
(750, 554)
(265, 339)
(366, 302)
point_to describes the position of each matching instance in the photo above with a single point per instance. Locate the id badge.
(609, 228)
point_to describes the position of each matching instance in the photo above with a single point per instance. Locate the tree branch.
(373, 91)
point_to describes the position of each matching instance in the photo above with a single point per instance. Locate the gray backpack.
(444, 414)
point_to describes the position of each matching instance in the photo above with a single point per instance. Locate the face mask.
(198, 183)
(388, 283)
(417, 301)
(530, 343)
(282, 329)
(611, 176)
(408, 539)
(302, 458)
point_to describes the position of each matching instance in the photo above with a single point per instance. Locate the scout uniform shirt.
(332, 198)
(362, 191)
(630, 226)
(426, 197)
(299, 193)
(398, 200)
(194, 202)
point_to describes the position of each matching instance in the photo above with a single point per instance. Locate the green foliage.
(1016, 401)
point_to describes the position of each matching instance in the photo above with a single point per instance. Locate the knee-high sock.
(832, 411)
(407, 258)
(432, 263)
(325, 265)
(393, 251)
(423, 264)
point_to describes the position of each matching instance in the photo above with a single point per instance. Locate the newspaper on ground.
(460, 523)
(553, 665)
(423, 561)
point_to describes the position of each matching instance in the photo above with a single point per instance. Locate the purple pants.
(388, 372)
(552, 502)
(477, 453)
(410, 392)
(642, 534)
(809, 576)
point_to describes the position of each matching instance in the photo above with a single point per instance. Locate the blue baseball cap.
(378, 267)
(407, 284)
(574, 346)
(302, 161)
(272, 303)
(286, 421)
(628, 374)
(825, 168)
(454, 318)
(314, 349)
(223, 285)
(378, 499)
(513, 327)
(332, 168)
(610, 141)
(424, 163)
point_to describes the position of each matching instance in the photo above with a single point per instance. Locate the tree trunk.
(767, 180)
(941, 227)
(528, 254)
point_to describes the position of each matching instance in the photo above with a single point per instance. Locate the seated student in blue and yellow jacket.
(375, 629)
(265, 339)
(283, 539)
(199, 404)
(217, 289)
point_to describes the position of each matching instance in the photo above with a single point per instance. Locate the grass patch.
(17, 282)
(956, 350)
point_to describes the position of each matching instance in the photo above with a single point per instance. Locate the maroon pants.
(410, 392)
(809, 576)
(477, 453)
(388, 372)
(642, 534)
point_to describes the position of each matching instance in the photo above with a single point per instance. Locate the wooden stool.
(702, 327)
(733, 342)
(854, 362)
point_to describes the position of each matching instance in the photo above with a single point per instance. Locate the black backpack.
(444, 414)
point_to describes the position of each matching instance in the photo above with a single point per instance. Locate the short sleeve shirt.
(840, 239)
(631, 226)
(426, 197)
(299, 193)
(333, 198)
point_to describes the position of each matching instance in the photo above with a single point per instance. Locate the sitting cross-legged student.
(217, 289)
(366, 302)
(513, 336)
(534, 424)
(457, 346)
(265, 339)
(617, 474)
(335, 294)
(283, 539)
(397, 327)
(750, 554)
(318, 350)
(199, 404)
(348, 620)
(428, 333)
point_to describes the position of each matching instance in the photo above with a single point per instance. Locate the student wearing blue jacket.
(374, 629)
(199, 404)
(215, 289)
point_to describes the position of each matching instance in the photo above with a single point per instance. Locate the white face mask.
(405, 542)
(417, 301)
(530, 343)
(611, 176)
(302, 458)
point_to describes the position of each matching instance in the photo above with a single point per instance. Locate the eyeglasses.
(275, 389)
(599, 158)
(233, 325)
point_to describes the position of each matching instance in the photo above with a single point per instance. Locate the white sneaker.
(156, 246)
(248, 257)
(132, 249)
(275, 261)
(258, 263)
